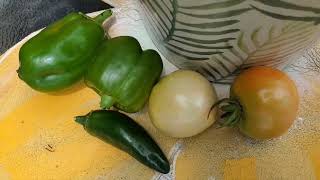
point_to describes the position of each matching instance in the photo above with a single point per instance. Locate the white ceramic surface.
(219, 38)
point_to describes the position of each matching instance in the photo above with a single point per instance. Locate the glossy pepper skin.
(123, 74)
(58, 56)
(124, 133)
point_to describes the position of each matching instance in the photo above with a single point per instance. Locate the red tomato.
(268, 101)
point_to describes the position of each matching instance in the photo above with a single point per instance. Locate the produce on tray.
(124, 133)
(123, 74)
(58, 56)
(263, 103)
(180, 104)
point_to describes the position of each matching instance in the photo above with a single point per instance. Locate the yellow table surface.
(40, 140)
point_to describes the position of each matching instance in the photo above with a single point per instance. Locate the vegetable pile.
(263, 102)
(75, 48)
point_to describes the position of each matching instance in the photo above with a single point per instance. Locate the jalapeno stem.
(81, 119)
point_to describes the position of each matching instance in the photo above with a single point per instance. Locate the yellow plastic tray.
(40, 140)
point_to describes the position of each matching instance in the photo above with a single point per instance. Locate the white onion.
(180, 104)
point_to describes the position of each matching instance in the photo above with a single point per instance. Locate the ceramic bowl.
(221, 38)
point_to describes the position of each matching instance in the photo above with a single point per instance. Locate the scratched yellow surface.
(40, 140)
(315, 158)
(240, 169)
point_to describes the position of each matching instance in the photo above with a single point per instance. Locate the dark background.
(19, 18)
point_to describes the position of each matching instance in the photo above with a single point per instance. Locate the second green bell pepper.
(58, 56)
(123, 74)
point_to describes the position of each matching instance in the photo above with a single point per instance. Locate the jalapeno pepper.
(124, 133)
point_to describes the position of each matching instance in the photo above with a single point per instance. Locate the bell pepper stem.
(106, 102)
(103, 16)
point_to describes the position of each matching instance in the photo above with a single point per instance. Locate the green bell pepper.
(124, 133)
(123, 74)
(58, 56)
